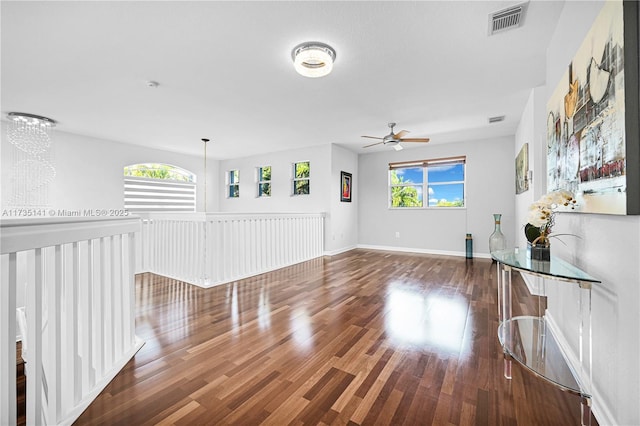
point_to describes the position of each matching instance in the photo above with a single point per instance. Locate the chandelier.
(33, 169)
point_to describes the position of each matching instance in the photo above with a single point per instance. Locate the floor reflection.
(300, 326)
(264, 309)
(427, 320)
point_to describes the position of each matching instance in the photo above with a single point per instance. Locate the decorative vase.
(497, 240)
(539, 251)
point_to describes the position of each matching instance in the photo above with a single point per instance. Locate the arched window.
(159, 187)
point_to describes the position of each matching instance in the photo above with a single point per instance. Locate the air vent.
(506, 19)
(496, 119)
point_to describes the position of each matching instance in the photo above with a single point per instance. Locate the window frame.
(230, 184)
(261, 181)
(295, 180)
(425, 184)
(176, 193)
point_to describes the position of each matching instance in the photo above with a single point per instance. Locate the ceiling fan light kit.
(313, 59)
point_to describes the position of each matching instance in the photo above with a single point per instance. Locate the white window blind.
(145, 195)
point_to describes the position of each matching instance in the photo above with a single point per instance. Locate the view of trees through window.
(159, 171)
(301, 173)
(234, 184)
(264, 181)
(443, 184)
(406, 187)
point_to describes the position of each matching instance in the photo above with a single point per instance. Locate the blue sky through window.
(439, 194)
(410, 175)
(443, 185)
(448, 173)
(446, 193)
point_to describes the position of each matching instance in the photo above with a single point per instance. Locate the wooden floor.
(362, 338)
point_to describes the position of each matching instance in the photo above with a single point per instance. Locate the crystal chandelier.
(33, 169)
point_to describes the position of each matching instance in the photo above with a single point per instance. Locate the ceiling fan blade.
(371, 137)
(400, 134)
(373, 144)
(415, 140)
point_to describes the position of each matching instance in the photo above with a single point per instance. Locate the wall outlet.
(397, 234)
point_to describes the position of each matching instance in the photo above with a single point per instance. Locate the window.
(264, 181)
(233, 184)
(301, 178)
(406, 186)
(158, 187)
(441, 179)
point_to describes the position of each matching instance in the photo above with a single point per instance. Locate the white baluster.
(8, 413)
(99, 324)
(116, 279)
(34, 336)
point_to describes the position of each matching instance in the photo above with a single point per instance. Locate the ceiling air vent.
(496, 119)
(506, 19)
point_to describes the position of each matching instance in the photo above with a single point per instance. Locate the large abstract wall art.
(592, 117)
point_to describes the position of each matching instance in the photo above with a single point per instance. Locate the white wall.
(490, 189)
(326, 161)
(609, 249)
(531, 130)
(281, 199)
(343, 216)
(89, 171)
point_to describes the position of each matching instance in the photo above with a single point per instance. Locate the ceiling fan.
(395, 139)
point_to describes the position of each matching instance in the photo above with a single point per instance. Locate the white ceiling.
(225, 71)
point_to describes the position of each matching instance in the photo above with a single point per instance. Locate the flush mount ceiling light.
(313, 59)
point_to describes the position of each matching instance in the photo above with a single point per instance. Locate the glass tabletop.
(555, 267)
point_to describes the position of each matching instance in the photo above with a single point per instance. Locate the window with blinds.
(431, 183)
(158, 188)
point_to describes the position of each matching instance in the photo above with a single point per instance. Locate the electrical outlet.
(397, 234)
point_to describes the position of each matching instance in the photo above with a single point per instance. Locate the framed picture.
(345, 187)
(522, 169)
(593, 135)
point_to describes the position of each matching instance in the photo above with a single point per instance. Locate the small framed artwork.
(522, 169)
(345, 187)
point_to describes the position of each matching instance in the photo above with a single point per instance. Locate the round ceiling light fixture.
(313, 59)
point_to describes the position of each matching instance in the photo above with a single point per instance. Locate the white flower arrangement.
(541, 217)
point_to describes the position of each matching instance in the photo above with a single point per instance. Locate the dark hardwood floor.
(365, 337)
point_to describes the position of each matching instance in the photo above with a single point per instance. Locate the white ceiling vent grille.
(496, 119)
(506, 19)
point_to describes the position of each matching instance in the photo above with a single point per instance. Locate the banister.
(26, 234)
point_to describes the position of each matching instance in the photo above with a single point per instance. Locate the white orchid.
(542, 213)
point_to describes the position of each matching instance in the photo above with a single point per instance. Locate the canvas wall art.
(589, 130)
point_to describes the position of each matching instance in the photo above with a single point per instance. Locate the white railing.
(214, 248)
(79, 296)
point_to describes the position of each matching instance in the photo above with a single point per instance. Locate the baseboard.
(534, 284)
(235, 277)
(602, 413)
(340, 250)
(422, 251)
(73, 415)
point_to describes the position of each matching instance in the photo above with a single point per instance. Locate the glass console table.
(529, 340)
